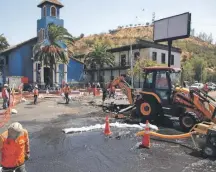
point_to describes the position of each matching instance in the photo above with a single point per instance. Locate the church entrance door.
(47, 76)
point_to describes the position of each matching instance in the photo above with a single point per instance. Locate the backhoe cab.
(162, 94)
(156, 95)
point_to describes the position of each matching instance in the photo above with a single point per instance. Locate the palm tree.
(3, 42)
(51, 50)
(99, 56)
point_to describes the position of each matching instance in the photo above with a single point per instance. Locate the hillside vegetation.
(197, 56)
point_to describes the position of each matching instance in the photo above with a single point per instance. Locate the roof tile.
(51, 1)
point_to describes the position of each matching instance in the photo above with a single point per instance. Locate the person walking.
(89, 88)
(66, 93)
(35, 91)
(14, 148)
(5, 96)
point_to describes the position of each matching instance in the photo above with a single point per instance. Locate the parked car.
(211, 86)
(197, 86)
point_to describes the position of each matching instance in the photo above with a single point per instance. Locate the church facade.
(18, 60)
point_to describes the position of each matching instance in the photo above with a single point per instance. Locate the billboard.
(172, 28)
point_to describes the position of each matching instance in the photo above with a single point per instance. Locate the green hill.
(193, 48)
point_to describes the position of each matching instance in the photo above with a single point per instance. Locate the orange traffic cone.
(107, 131)
(146, 137)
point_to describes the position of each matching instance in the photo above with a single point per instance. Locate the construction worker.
(104, 93)
(161, 81)
(5, 96)
(66, 92)
(205, 88)
(14, 148)
(35, 92)
(111, 90)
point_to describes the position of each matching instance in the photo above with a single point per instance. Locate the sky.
(18, 18)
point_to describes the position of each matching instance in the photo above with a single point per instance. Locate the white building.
(144, 49)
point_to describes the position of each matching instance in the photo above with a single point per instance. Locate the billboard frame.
(169, 40)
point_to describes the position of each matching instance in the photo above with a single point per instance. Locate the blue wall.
(20, 62)
(74, 71)
(42, 23)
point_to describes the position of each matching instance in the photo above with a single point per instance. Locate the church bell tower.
(50, 13)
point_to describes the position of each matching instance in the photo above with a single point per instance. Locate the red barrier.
(6, 117)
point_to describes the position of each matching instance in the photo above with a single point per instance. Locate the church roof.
(56, 2)
(19, 45)
(34, 40)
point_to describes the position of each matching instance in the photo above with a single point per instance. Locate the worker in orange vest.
(67, 90)
(205, 88)
(35, 92)
(14, 148)
(5, 96)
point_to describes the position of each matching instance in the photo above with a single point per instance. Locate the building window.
(154, 56)
(53, 11)
(136, 56)
(163, 58)
(44, 11)
(123, 60)
(41, 35)
(172, 60)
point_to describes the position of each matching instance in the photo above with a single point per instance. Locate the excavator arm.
(125, 87)
(198, 101)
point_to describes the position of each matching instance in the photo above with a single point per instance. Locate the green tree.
(140, 64)
(50, 51)
(99, 57)
(188, 71)
(199, 67)
(3, 42)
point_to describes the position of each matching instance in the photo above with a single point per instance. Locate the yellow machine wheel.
(145, 109)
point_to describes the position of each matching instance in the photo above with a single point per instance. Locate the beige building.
(145, 49)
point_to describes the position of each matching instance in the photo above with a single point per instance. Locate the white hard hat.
(5, 85)
(16, 126)
(36, 86)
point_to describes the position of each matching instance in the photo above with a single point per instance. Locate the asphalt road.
(54, 151)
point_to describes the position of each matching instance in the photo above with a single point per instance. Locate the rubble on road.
(14, 111)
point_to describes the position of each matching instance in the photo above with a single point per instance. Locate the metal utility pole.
(131, 54)
(169, 52)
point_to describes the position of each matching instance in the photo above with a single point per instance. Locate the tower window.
(44, 11)
(41, 35)
(53, 11)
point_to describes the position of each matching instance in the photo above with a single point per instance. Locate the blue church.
(18, 60)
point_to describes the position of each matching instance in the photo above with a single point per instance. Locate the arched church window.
(53, 11)
(41, 35)
(44, 11)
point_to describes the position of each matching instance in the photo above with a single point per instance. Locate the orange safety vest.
(4, 95)
(35, 92)
(14, 151)
(66, 89)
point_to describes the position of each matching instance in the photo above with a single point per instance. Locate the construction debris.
(102, 126)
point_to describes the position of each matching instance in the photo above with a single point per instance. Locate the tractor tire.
(147, 110)
(187, 121)
(209, 151)
(133, 113)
